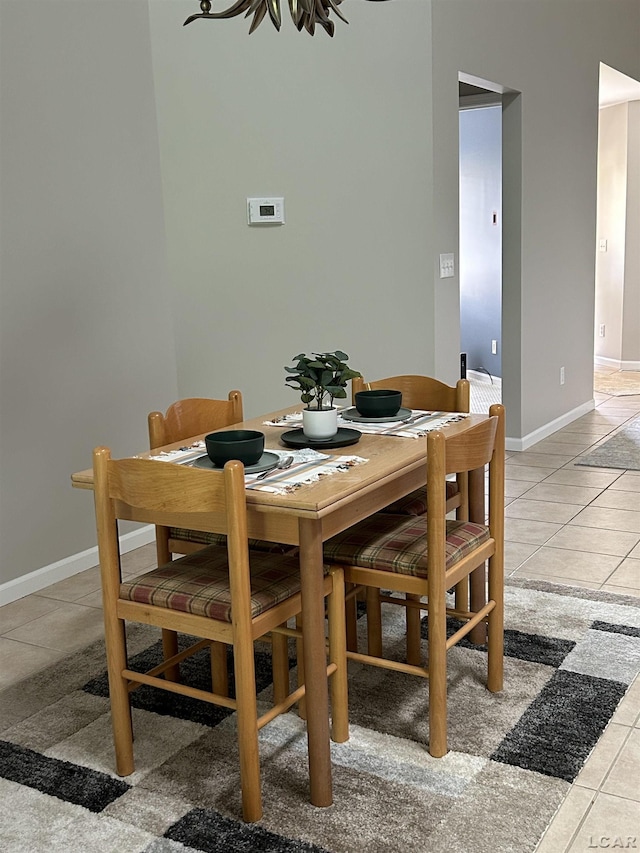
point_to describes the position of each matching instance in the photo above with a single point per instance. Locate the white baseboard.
(63, 569)
(548, 429)
(616, 363)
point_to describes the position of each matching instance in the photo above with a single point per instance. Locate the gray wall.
(358, 132)
(86, 339)
(340, 128)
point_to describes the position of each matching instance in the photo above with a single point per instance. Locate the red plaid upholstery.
(199, 584)
(393, 543)
(415, 503)
(204, 538)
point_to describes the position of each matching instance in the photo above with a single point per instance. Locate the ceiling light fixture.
(304, 13)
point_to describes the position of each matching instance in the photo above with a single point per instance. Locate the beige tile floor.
(565, 524)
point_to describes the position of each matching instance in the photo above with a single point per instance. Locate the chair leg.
(169, 638)
(374, 622)
(414, 656)
(170, 648)
(119, 696)
(495, 641)
(247, 716)
(302, 704)
(437, 677)
(338, 655)
(351, 612)
(280, 666)
(462, 514)
(219, 673)
(462, 594)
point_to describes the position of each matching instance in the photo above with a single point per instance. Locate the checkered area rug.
(570, 656)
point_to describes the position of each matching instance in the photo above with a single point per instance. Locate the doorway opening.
(617, 277)
(480, 228)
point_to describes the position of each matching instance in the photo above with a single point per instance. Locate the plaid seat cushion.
(199, 584)
(415, 503)
(204, 538)
(393, 543)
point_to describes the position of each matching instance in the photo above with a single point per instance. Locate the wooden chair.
(426, 555)
(424, 392)
(418, 392)
(182, 420)
(192, 416)
(221, 595)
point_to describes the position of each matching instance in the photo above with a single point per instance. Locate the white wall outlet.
(447, 266)
(602, 330)
(494, 347)
(562, 375)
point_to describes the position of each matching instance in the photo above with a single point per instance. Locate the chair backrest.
(161, 493)
(474, 448)
(193, 416)
(422, 392)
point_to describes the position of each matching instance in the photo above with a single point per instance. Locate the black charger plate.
(266, 462)
(344, 437)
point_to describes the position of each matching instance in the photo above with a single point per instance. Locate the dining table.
(390, 467)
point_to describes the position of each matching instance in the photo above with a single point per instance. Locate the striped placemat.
(308, 467)
(303, 471)
(419, 424)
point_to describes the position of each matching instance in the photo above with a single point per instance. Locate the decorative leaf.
(274, 12)
(336, 391)
(261, 11)
(310, 23)
(334, 6)
(350, 374)
(295, 9)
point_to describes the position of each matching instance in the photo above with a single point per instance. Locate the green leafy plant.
(320, 375)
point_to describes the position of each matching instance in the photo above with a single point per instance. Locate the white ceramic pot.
(319, 424)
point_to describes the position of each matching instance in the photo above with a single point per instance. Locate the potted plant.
(321, 378)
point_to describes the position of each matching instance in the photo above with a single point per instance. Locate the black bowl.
(378, 404)
(247, 445)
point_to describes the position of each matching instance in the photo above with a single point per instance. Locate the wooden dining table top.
(389, 459)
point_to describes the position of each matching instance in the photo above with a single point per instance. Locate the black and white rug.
(570, 656)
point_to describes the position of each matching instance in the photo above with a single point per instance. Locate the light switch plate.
(447, 267)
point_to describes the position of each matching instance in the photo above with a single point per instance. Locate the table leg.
(478, 594)
(315, 661)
